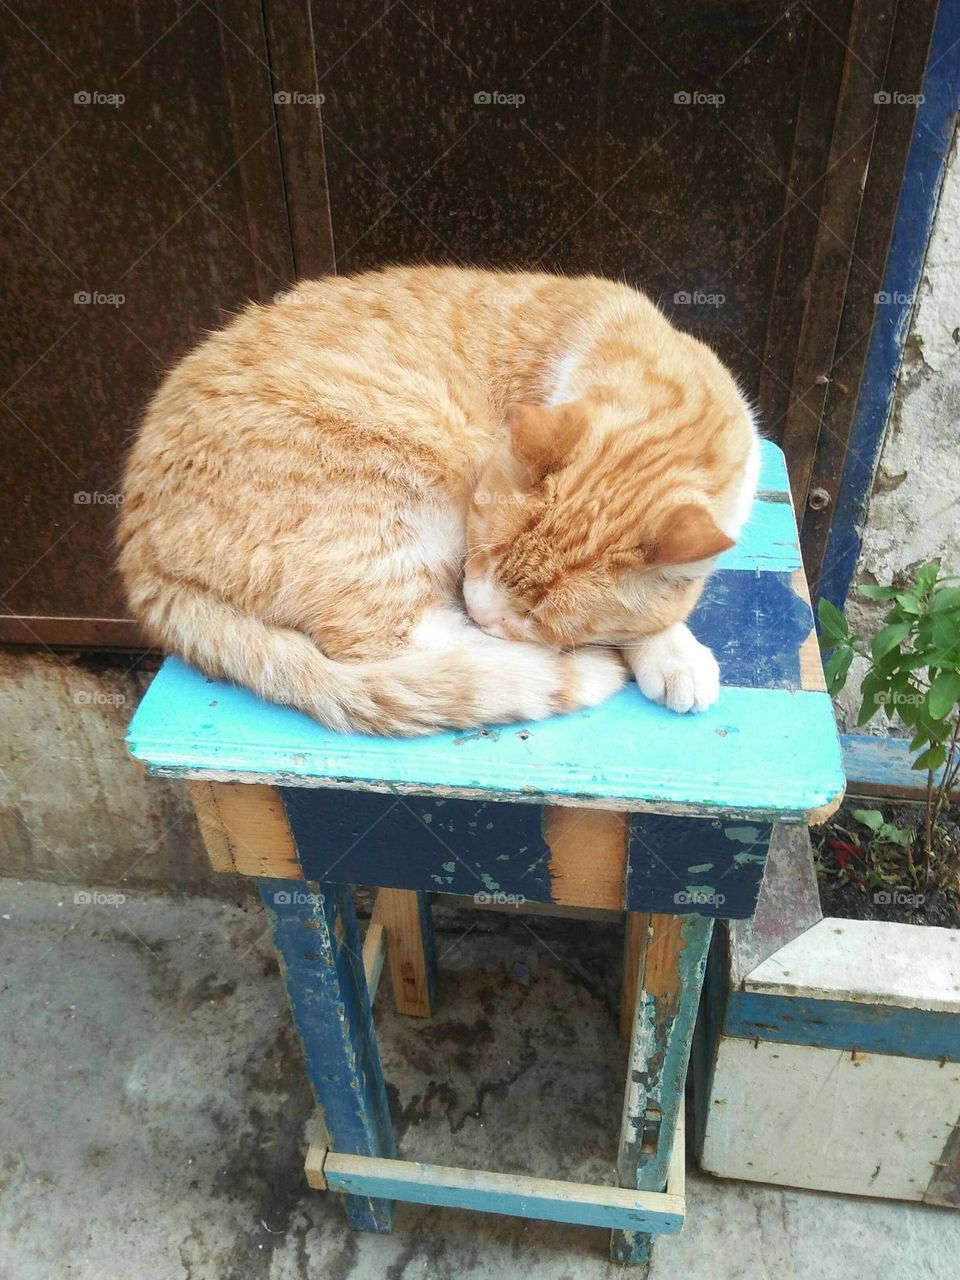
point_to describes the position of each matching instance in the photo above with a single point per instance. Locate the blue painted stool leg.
(668, 994)
(315, 932)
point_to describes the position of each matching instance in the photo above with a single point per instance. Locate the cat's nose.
(491, 611)
(492, 623)
(485, 604)
(494, 629)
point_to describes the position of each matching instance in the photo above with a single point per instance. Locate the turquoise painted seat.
(627, 805)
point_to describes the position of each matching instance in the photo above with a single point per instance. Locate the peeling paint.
(746, 858)
(744, 835)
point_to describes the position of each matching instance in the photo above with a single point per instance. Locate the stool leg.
(670, 976)
(408, 931)
(315, 932)
(634, 950)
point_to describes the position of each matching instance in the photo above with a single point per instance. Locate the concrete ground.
(153, 1111)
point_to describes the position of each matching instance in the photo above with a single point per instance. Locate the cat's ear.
(542, 438)
(689, 533)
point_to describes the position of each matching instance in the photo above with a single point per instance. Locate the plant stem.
(950, 771)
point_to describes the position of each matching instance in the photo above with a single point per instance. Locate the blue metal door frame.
(916, 208)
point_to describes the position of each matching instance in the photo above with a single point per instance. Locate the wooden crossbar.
(548, 1199)
(520, 1196)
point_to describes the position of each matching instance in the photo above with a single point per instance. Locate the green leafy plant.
(884, 832)
(913, 672)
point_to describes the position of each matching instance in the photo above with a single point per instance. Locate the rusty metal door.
(738, 159)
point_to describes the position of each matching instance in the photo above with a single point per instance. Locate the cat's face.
(574, 537)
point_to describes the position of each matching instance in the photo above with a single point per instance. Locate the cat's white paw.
(675, 670)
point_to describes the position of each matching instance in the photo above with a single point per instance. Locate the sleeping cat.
(319, 489)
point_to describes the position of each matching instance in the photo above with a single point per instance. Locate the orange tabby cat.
(318, 489)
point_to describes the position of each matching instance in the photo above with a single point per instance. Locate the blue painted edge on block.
(841, 1024)
(546, 1207)
(916, 208)
(883, 762)
(315, 932)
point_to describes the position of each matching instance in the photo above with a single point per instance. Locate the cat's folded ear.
(687, 534)
(542, 438)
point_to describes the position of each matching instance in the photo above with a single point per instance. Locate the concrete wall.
(915, 505)
(73, 805)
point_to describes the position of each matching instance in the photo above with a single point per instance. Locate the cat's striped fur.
(317, 488)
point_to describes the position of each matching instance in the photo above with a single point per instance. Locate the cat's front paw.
(675, 670)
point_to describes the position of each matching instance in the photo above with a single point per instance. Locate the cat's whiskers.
(478, 551)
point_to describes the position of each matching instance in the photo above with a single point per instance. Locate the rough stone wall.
(914, 511)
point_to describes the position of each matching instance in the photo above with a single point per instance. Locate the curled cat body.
(434, 497)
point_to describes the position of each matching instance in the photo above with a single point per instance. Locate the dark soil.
(862, 879)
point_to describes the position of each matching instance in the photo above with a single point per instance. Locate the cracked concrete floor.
(153, 1112)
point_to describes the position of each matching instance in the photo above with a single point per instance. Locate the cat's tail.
(474, 682)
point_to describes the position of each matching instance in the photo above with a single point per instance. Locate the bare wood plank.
(410, 965)
(634, 952)
(651, 1142)
(515, 1194)
(203, 797)
(589, 863)
(661, 977)
(374, 949)
(316, 1155)
(600, 915)
(811, 666)
(245, 829)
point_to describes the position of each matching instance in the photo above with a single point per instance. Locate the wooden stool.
(628, 806)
